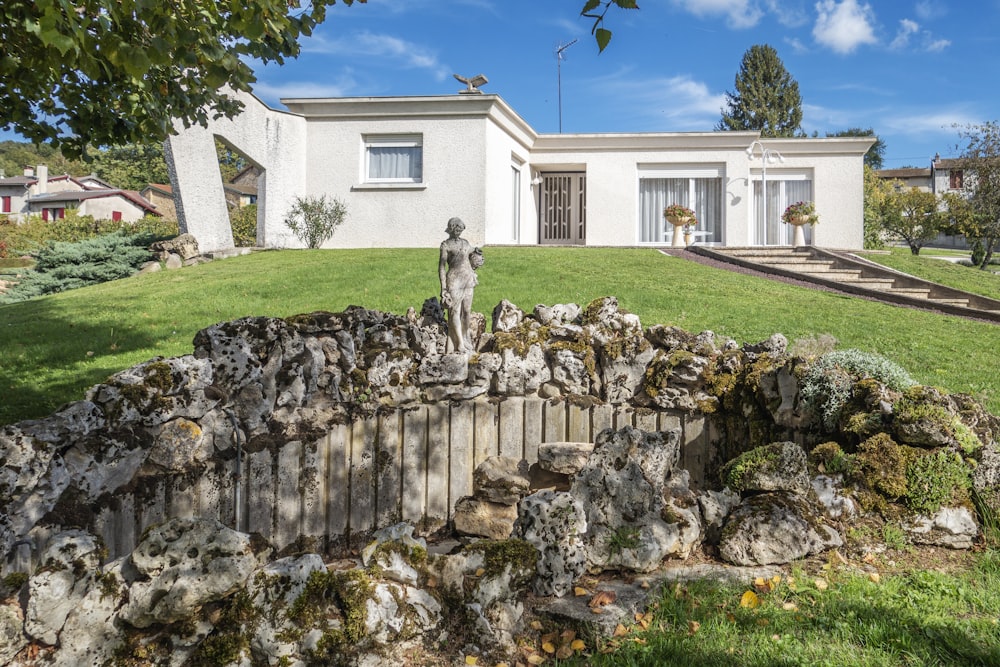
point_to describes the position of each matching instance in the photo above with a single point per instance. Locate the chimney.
(29, 171)
(43, 179)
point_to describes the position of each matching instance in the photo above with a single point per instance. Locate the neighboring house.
(161, 196)
(238, 195)
(405, 165)
(908, 177)
(50, 197)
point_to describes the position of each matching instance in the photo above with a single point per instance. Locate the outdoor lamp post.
(766, 155)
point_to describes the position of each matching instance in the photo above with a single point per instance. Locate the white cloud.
(937, 45)
(906, 29)
(395, 52)
(929, 9)
(844, 26)
(796, 44)
(920, 124)
(738, 13)
(670, 104)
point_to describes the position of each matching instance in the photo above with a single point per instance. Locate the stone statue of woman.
(456, 269)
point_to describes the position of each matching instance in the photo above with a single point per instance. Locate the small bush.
(33, 233)
(244, 223)
(935, 480)
(314, 219)
(63, 266)
(828, 384)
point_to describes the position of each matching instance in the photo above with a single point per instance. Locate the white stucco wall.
(274, 141)
(102, 208)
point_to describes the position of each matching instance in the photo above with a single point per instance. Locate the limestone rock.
(829, 490)
(622, 489)
(558, 314)
(276, 586)
(501, 479)
(452, 368)
(570, 372)
(780, 466)
(554, 523)
(520, 376)
(12, 639)
(775, 527)
(506, 316)
(173, 261)
(187, 563)
(184, 246)
(715, 508)
(90, 635)
(484, 519)
(953, 527)
(622, 364)
(179, 446)
(72, 559)
(566, 458)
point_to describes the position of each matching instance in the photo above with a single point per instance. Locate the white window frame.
(392, 141)
(680, 171)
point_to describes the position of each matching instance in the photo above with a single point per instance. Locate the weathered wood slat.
(414, 464)
(438, 444)
(460, 464)
(338, 492)
(362, 469)
(388, 457)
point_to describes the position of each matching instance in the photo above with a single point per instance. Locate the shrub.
(33, 233)
(244, 223)
(62, 266)
(314, 219)
(828, 384)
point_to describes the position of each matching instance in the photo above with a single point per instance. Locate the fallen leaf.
(821, 584)
(536, 625)
(432, 582)
(471, 660)
(549, 637)
(501, 664)
(693, 627)
(638, 615)
(644, 623)
(644, 584)
(750, 600)
(789, 606)
(874, 577)
(548, 647)
(596, 610)
(564, 652)
(580, 591)
(620, 631)
(480, 572)
(639, 640)
(763, 622)
(536, 659)
(837, 556)
(578, 645)
(776, 638)
(568, 635)
(603, 598)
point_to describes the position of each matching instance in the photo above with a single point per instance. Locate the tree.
(314, 219)
(874, 156)
(981, 159)
(879, 195)
(766, 96)
(912, 215)
(111, 73)
(132, 166)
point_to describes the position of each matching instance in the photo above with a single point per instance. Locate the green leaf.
(603, 37)
(590, 6)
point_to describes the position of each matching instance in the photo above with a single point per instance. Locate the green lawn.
(53, 348)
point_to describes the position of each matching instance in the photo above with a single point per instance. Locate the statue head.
(455, 226)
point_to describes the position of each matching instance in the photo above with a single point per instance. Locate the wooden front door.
(563, 208)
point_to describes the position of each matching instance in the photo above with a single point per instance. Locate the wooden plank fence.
(411, 465)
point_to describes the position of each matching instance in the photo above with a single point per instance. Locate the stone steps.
(855, 275)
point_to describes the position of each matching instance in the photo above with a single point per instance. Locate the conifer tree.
(766, 96)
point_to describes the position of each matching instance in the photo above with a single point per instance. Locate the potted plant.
(680, 217)
(798, 214)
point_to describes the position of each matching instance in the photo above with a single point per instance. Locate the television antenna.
(559, 59)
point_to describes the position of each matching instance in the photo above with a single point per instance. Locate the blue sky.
(910, 69)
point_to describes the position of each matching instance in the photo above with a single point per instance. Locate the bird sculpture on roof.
(472, 84)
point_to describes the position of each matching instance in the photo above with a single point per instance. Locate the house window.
(956, 179)
(782, 190)
(515, 202)
(699, 188)
(394, 159)
(116, 216)
(6, 204)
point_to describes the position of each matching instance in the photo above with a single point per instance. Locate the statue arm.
(443, 269)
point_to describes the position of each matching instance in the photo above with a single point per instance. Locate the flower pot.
(679, 224)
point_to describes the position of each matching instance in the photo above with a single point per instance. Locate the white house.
(405, 165)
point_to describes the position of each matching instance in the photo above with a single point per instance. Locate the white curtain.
(779, 195)
(395, 162)
(702, 195)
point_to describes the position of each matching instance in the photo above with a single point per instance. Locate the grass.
(831, 618)
(966, 278)
(53, 348)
